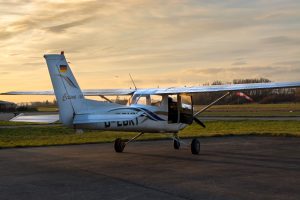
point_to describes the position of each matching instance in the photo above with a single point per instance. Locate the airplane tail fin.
(67, 91)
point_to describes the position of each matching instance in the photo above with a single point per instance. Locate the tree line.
(263, 96)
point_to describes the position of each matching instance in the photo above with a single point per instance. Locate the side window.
(142, 100)
(151, 100)
(156, 100)
(186, 102)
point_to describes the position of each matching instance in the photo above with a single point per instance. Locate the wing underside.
(219, 88)
(171, 90)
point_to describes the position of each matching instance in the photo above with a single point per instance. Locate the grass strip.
(59, 135)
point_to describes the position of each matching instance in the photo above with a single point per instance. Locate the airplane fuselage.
(153, 120)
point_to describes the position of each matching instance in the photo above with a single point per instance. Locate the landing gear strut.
(120, 144)
(176, 141)
(176, 144)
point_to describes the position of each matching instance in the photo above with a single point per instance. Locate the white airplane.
(159, 110)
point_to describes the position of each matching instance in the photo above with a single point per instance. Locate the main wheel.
(195, 146)
(176, 144)
(119, 145)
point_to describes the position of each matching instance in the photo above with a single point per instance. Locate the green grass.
(58, 135)
(221, 128)
(250, 114)
(47, 109)
(290, 109)
(8, 123)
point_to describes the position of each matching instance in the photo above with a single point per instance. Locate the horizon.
(162, 43)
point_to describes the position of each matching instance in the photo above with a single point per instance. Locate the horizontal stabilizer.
(35, 118)
(97, 118)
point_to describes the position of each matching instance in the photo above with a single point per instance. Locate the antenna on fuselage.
(132, 81)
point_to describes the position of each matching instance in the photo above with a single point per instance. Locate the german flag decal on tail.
(63, 68)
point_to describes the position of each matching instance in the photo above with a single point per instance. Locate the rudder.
(67, 91)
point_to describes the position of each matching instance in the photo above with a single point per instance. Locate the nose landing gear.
(195, 146)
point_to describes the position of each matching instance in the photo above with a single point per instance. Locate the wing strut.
(207, 107)
(104, 97)
(211, 104)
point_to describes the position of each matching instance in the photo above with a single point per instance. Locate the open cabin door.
(180, 109)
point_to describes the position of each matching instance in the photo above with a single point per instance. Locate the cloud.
(62, 27)
(170, 42)
(242, 70)
(55, 17)
(239, 63)
(228, 74)
(294, 63)
(281, 40)
(5, 72)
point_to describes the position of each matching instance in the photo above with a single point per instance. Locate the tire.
(176, 144)
(119, 145)
(195, 146)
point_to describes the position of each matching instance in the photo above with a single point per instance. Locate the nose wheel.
(195, 146)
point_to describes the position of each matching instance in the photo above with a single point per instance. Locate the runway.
(248, 167)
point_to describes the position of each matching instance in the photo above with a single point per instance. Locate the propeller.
(199, 122)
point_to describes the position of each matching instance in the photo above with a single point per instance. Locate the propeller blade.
(199, 122)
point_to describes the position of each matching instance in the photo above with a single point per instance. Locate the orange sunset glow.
(161, 43)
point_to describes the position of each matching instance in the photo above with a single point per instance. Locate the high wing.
(108, 92)
(218, 88)
(91, 92)
(170, 90)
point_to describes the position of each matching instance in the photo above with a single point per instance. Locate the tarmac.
(235, 167)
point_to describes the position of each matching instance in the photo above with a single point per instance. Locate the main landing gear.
(120, 144)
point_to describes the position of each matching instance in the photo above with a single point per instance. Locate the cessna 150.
(159, 110)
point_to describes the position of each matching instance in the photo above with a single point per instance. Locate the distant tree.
(260, 96)
(217, 83)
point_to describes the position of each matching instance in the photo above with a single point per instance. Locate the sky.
(162, 43)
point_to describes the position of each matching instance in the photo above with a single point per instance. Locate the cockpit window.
(150, 100)
(186, 102)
